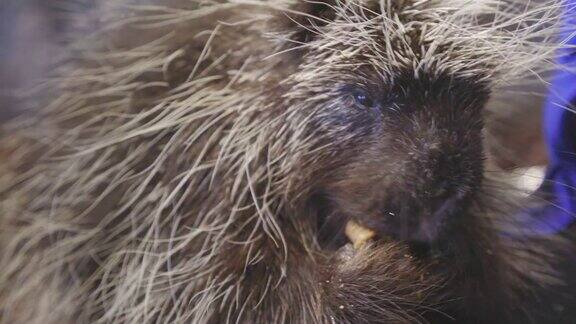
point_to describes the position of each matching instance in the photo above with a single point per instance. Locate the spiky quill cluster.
(166, 175)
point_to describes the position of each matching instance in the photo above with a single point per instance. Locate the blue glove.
(559, 186)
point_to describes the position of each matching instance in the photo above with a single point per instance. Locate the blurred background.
(32, 38)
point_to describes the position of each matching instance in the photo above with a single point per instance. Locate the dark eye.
(362, 98)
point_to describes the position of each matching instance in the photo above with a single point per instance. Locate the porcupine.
(197, 161)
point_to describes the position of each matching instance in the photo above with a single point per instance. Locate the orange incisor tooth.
(358, 234)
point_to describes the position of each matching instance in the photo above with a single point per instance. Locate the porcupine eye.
(362, 98)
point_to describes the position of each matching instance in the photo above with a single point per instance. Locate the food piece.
(358, 234)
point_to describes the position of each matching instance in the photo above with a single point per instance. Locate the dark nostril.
(443, 198)
(442, 191)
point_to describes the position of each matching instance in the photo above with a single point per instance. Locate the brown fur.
(187, 170)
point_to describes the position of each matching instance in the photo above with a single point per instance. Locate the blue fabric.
(560, 134)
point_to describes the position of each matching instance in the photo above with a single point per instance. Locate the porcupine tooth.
(357, 234)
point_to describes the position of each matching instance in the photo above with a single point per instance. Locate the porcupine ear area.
(305, 19)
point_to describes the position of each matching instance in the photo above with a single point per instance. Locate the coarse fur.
(196, 161)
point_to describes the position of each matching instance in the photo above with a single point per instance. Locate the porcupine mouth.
(336, 230)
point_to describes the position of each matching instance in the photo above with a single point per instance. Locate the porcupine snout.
(438, 190)
(441, 139)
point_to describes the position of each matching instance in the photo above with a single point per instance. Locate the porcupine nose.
(442, 195)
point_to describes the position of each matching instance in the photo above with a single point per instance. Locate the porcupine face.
(414, 160)
(405, 141)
